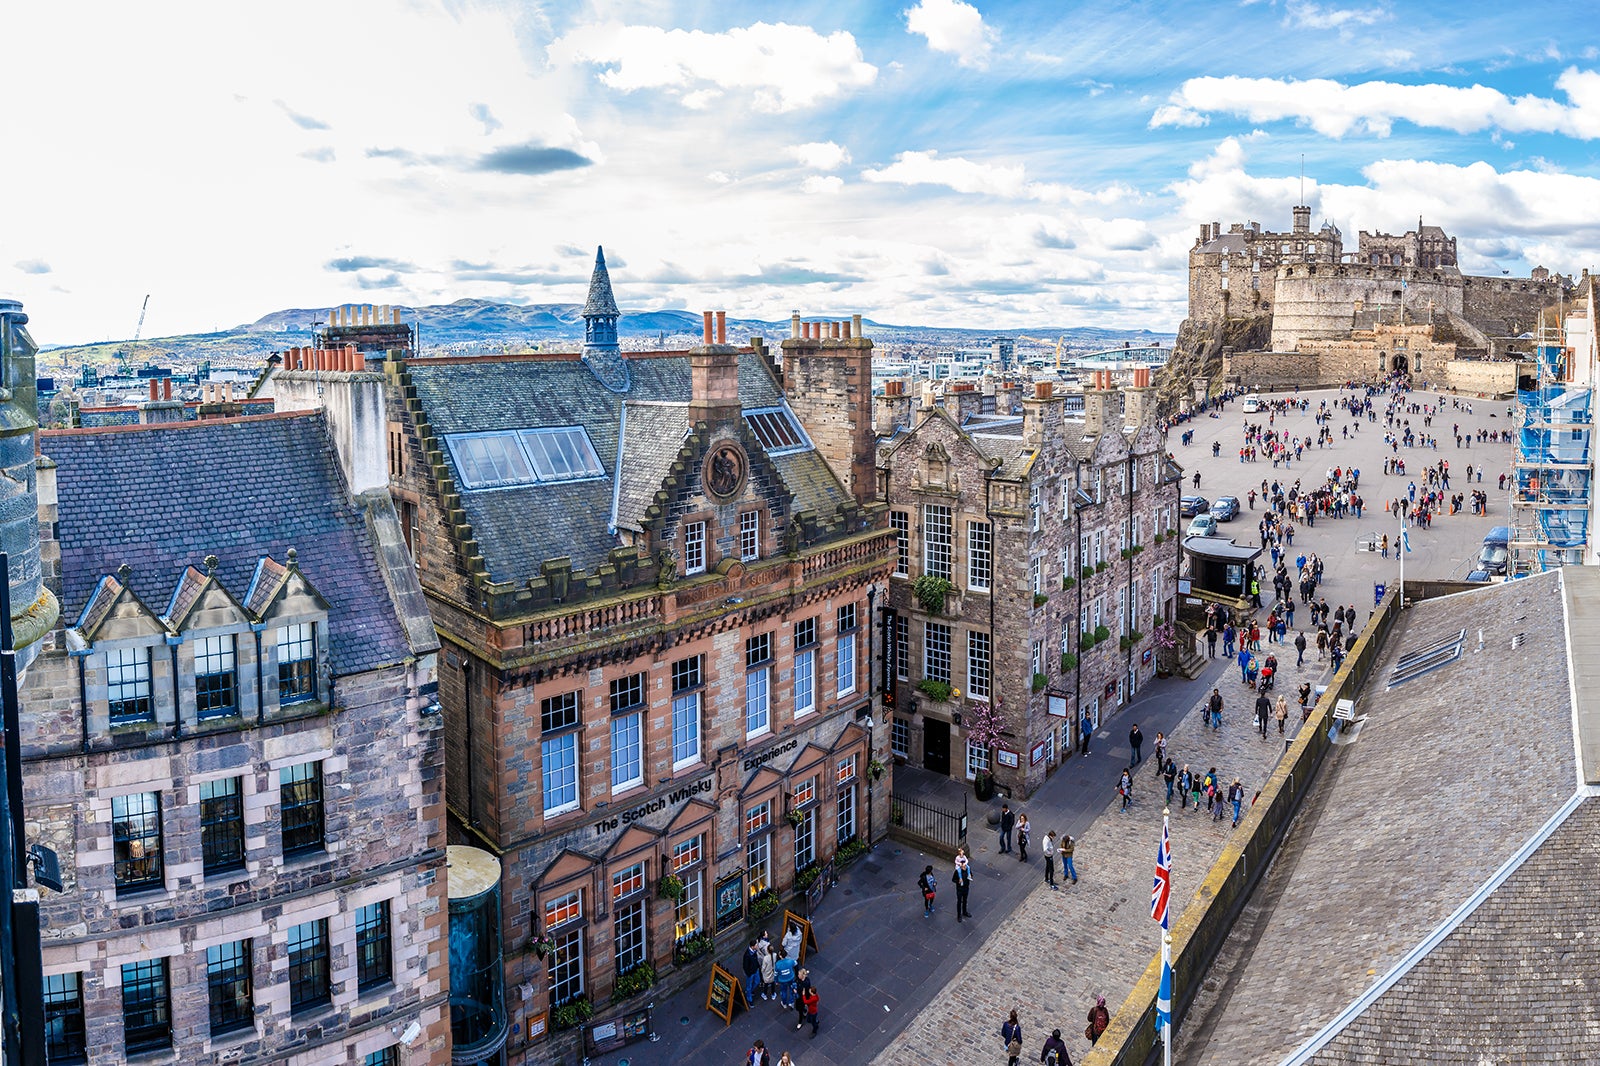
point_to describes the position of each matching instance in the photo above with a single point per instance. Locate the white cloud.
(721, 177)
(1311, 16)
(822, 183)
(820, 155)
(987, 179)
(778, 66)
(954, 27)
(1335, 109)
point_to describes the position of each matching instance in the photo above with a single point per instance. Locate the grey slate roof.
(653, 433)
(600, 301)
(163, 498)
(478, 395)
(1448, 776)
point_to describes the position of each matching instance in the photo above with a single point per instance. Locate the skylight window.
(777, 430)
(523, 457)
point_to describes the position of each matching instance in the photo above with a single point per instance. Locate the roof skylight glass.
(777, 429)
(523, 457)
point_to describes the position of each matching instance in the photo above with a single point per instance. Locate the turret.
(600, 314)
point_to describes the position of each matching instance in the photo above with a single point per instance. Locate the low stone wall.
(1273, 370)
(1200, 931)
(1480, 378)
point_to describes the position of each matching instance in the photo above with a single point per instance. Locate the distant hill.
(484, 325)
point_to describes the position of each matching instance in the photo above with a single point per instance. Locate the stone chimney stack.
(1097, 404)
(1041, 413)
(1139, 400)
(160, 407)
(894, 408)
(827, 376)
(714, 374)
(1302, 219)
(338, 383)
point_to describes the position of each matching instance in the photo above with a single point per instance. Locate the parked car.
(1226, 508)
(1252, 404)
(1494, 559)
(1190, 506)
(1204, 525)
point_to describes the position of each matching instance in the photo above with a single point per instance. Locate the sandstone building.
(654, 578)
(231, 741)
(1050, 545)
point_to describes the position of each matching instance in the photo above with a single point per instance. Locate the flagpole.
(1166, 968)
(1402, 554)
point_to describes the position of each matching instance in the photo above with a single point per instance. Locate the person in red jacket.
(812, 1002)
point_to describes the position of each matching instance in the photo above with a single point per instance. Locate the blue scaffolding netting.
(1552, 468)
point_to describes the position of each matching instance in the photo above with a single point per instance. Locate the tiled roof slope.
(654, 433)
(1516, 982)
(474, 396)
(1449, 775)
(161, 499)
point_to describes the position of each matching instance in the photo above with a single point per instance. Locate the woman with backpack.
(1011, 1036)
(1099, 1020)
(930, 887)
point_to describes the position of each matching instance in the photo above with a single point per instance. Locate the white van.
(1252, 404)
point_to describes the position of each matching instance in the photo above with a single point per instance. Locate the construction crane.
(1046, 340)
(127, 353)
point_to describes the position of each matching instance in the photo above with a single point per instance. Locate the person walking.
(758, 1055)
(785, 969)
(1236, 797)
(1229, 635)
(1050, 859)
(1023, 833)
(1188, 784)
(802, 984)
(813, 1005)
(1011, 1037)
(962, 879)
(1161, 750)
(1125, 790)
(1211, 642)
(1066, 846)
(1054, 1052)
(1099, 1020)
(1281, 712)
(1300, 649)
(1263, 712)
(1214, 705)
(1169, 773)
(1244, 663)
(1136, 741)
(1085, 730)
(1007, 821)
(930, 889)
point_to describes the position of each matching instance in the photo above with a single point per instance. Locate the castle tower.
(1302, 219)
(600, 314)
(33, 607)
(827, 379)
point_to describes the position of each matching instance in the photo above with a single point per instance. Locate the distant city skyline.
(991, 165)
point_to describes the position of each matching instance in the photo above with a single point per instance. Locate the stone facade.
(1046, 527)
(1234, 274)
(187, 701)
(661, 670)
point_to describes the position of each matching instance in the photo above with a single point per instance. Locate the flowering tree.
(983, 724)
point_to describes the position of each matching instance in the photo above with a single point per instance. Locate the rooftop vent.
(1414, 664)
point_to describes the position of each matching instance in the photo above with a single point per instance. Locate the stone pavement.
(929, 991)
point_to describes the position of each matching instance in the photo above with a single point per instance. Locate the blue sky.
(987, 164)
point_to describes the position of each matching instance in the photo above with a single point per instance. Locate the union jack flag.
(1161, 891)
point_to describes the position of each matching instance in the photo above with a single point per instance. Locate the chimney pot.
(153, 387)
(847, 331)
(722, 327)
(706, 327)
(855, 320)
(1043, 389)
(166, 388)
(794, 324)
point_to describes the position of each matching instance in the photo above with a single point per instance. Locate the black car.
(1226, 508)
(1190, 506)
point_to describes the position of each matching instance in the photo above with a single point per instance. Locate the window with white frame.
(805, 792)
(805, 840)
(805, 667)
(216, 677)
(1086, 548)
(845, 814)
(627, 752)
(1133, 463)
(980, 555)
(978, 668)
(628, 939)
(902, 647)
(845, 657)
(128, 685)
(558, 749)
(1099, 612)
(686, 916)
(845, 770)
(977, 760)
(900, 522)
(936, 652)
(694, 548)
(900, 737)
(758, 847)
(1036, 508)
(1134, 523)
(758, 685)
(750, 535)
(1038, 657)
(688, 681)
(1133, 598)
(563, 924)
(936, 549)
(1036, 574)
(1122, 611)
(1099, 546)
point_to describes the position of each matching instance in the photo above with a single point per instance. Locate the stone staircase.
(1191, 663)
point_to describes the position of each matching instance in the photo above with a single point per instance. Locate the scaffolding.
(1552, 467)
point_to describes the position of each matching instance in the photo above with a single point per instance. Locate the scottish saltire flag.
(1405, 537)
(1161, 891)
(1164, 1000)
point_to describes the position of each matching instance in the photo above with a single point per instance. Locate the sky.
(992, 165)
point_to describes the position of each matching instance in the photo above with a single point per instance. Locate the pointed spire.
(600, 301)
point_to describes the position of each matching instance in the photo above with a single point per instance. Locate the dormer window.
(216, 677)
(297, 662)
(128, 685)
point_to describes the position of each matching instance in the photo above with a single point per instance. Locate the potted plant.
(984, 727)
(571, 1014)
(542, 945)
(1039, 682)
(671, 887)
(1069, 661)
(983, 786)
(1100, 567)
(692, 946)
(875, 769)
(1101, 633)
(930, 591)
(1088, 572)
(1067, 582)
(855, 847)
(805, 877)
(1040, 599)
(937, 690)
(763, 904)
(796, 818)
(637, 980)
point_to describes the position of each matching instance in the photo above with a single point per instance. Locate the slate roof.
(1445, 780)
(600, 301)
(479, 395)
(162, 498)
